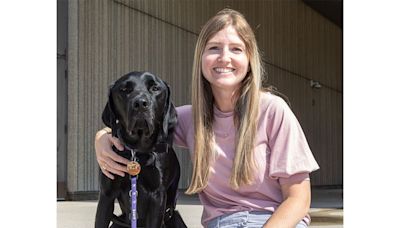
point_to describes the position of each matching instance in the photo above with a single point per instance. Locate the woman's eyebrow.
(219, 43)
(213, 43)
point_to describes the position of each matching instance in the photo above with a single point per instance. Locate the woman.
(251, 160)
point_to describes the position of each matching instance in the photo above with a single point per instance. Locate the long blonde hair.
(246, 107)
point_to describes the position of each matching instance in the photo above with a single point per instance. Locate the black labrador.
(140, 113)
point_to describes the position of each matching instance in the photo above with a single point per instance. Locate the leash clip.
(133, 153)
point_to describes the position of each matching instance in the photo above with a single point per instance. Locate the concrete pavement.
(326, 211)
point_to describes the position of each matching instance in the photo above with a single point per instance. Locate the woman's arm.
(109, 161)
(295, 205)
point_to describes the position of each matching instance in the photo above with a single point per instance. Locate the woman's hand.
(296, 204)
(109, 161)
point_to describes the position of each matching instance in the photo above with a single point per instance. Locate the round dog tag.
(133, 168)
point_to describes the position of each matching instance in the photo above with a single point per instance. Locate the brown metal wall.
(109, 38)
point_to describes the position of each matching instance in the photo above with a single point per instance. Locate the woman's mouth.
(223, 70)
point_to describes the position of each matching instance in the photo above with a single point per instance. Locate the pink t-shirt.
(282, 155)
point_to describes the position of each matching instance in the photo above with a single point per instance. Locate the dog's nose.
(141, 104)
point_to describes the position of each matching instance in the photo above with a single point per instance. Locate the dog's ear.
(170, 116)
(109, 118)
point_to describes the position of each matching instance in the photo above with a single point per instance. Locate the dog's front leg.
(156, 210)
(104, 213)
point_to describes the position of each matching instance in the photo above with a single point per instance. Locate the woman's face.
(224, 62)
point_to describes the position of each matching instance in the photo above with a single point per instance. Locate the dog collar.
(147, 158)
(158, 148)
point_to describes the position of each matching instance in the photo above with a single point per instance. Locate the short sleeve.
(290, 153)
(295, 178)
(181, 129)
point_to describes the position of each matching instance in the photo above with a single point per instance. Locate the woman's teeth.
(223, 70)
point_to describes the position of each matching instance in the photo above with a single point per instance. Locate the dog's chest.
(150, 179)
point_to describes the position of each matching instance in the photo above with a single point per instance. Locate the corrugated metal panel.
(111, 38)
(62, 108)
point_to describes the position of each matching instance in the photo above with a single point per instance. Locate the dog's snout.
(141, 104)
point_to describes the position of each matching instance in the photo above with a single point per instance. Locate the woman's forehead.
(227, 34)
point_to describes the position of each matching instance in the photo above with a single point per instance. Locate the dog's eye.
(125, 89)
(155, 88)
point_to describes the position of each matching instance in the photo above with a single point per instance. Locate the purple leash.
(133, 200)
(133, 169)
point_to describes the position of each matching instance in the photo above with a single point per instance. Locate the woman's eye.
(213, 48)
(237, 50)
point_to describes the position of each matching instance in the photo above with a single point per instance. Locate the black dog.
(140, 113)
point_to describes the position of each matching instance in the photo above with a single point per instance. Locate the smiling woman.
(227, 74)
(225, 64)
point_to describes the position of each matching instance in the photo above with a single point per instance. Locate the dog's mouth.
(141, 127)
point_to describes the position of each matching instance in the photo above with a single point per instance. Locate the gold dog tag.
(133, 168)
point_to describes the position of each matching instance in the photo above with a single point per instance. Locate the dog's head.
(139, 109)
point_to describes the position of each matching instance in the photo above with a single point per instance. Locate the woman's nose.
(224, 55)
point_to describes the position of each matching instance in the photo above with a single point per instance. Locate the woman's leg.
(245, 219)
(234, 220)
(301, 224)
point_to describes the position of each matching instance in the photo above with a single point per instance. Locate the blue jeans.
(244, 219)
